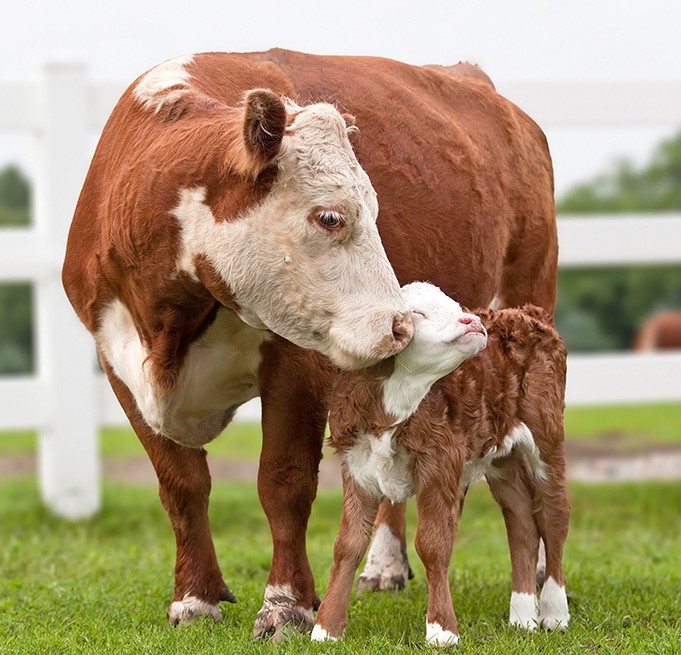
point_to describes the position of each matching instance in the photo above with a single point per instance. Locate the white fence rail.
(66, 401)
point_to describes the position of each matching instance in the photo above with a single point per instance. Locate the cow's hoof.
(190, 608)
(381, 583)
(281, 612)
(387, 567)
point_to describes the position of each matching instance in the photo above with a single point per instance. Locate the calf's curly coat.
(498, 415)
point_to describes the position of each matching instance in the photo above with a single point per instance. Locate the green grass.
(239, 441)
(621, 427)
(102, 586)
(631, 424)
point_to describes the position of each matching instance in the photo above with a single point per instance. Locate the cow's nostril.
(403, 329)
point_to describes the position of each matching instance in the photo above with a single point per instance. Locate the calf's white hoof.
(190, 608)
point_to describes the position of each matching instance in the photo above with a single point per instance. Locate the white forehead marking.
(152, 89)
(317, 155)
(423, 296)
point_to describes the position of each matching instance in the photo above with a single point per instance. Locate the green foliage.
(655, 187)
(16, 333)
(102, 586)
(603, 308)
(14, 188)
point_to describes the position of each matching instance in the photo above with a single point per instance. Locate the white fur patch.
(437, 636)
(281, 597)
(219, 373)
(553, 606)
(120, 344)
(386, 559)
(319, 634)
(153, 89)
(520, 437)
(523, 612)
(189, 608)
(381, 468)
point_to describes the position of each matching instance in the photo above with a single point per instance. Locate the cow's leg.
(387, 566)
(184, 487)
(554, 520)
(359, 511)
(512, 485)
(437, 523)
(293, 395)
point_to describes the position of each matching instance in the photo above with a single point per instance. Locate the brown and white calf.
(401, 428)
(225, 237)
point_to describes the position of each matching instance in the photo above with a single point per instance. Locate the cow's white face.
(307, 262)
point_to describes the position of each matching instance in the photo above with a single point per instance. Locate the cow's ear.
(264, 124)
(255, 130)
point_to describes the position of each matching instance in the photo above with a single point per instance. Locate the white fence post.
(68, 444)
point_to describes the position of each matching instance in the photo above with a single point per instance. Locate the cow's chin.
(346, 357)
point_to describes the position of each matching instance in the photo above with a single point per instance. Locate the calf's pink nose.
(473, 322)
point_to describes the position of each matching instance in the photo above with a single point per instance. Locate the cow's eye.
(331, 220)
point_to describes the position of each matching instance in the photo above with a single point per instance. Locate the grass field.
(101, 586)
(621, 428)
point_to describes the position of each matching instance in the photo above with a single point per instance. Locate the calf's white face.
(444, 335)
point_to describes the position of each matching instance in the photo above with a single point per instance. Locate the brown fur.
(519, 377)
(465, 189)
(661, 331)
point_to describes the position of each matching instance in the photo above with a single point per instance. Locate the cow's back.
(464, 177)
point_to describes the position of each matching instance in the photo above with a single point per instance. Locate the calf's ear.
(256, 129)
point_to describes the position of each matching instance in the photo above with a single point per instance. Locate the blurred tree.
(16, 333)
(14, 197)
(618, 300)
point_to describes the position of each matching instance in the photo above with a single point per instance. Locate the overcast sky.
(511, 39)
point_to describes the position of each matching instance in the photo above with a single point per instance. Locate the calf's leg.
(512, 485)
(184, 487)
(435, 532)
(554, 520)
(359, 511)
(387, 567)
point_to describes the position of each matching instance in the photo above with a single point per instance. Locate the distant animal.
(662, 331)
(225, 246)
(408, 426)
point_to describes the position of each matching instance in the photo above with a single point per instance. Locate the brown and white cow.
(409, 426)
(226, 237)
(661, 331)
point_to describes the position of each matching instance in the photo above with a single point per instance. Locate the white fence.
(67, 401)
